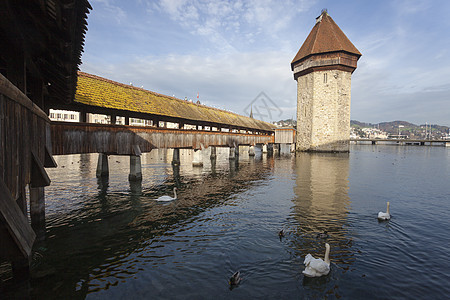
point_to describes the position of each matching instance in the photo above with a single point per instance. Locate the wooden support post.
(232, 154)
(135, 168)
(197, 161)
(37, 212)
(234, 166)
(102, 165)
(176, 157)
(176, 174)
(103, 184)
(251, 150)
(83, 117)
(136, 187)
(269, 149)
(113, 119)
(127, 120)
(213, 151)
(22, 202)
(276, 149)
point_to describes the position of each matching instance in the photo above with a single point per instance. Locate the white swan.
(316, 267)
(168, 198)
(384, 216)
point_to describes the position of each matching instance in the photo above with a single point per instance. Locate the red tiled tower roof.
(325, 37)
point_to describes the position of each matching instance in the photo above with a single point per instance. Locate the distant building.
(374, 133)
(64, 115)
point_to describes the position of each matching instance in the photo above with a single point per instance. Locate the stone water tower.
(322, 68)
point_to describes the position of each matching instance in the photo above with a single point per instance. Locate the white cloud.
(227, 23)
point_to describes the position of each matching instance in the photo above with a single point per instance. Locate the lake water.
(112, 240)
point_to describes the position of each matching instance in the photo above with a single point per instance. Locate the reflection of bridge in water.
(102, 221)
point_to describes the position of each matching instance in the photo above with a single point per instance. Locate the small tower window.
(325, 78)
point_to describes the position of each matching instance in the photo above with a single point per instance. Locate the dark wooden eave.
(44, 40)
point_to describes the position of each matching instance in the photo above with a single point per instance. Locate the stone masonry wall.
(323, 111)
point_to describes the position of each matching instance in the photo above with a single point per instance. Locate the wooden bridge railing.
(24, 144)
(75, 138)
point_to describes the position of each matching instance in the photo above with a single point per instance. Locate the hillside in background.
(394, 129)
(404, 128)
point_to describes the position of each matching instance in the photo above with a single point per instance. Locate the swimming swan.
(316, 267)
(384, 216)
(168, 198)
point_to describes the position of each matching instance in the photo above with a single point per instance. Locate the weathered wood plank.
(2, 136)
(16, 222)
(22, 131)
(76, 138)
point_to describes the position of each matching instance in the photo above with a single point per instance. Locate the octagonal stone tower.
(322, 68)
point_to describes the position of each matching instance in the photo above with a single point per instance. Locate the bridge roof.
(97, 91)
(325, 37)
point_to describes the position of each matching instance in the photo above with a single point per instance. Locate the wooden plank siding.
(284, 135)
(24, 130)
(76, 138)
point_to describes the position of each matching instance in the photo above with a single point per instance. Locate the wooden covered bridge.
(167, 122)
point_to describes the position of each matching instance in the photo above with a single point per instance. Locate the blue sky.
(230, 51)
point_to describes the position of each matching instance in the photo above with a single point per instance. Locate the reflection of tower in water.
(321, 204)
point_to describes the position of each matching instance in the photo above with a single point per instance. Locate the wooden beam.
(16, 222)
(39, 177)
(49, 161)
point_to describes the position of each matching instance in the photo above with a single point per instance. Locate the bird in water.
(235, 279)
(316, 267)
(322, 235)
(281, 233)
(168, 198)
(383, 216)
